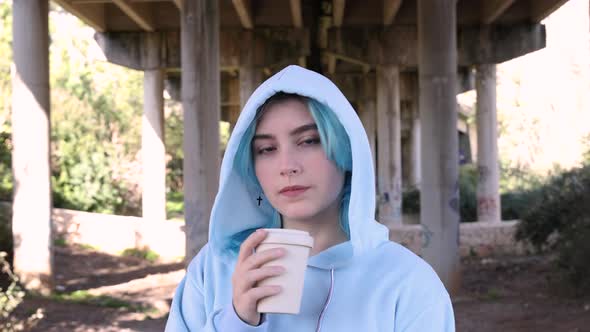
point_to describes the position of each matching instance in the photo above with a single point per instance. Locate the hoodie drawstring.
(319, 326)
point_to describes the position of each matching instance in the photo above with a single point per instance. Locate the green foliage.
(5, 101)
(146, 254)
(468, 193)
(84, 297)
(174, 129)
(11, 296)
(523, 192)
(60, 242)
(5, 232)
(5, 162)
(95, 122)
(560, 222)
(411, 201)
(175, 205)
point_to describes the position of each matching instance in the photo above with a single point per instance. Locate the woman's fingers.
(262, 257)
(247, 247)
(257, 293)
(257, 275)
(248, 272)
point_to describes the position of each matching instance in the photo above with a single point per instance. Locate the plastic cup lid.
(288, 236)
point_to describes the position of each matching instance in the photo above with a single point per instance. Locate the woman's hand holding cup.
(248, 272)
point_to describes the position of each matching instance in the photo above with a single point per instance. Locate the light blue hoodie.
(363, 285)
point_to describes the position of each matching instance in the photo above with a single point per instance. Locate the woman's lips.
(293, 192)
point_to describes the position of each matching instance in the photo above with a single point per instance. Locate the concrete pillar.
(201, 108)
(250, 76)
(389, 161)
(153, 148)
(368, 113)
(248, 79)
(31, 219)
(414, 139)
(488, 197)
(439, 199)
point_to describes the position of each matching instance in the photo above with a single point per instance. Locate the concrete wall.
(113, 234)
(476, 238)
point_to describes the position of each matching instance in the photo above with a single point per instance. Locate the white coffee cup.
(297, 245)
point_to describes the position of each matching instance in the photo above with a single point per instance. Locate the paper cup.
(297, 245)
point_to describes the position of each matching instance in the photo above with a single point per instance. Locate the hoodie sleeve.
(188, 311)
(425, 304)
(436, 317)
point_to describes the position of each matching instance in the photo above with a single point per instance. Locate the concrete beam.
(296, 13)
(179, 4)
(332, 61)
(497, 44)
(244, 10)
(338, 7)
(140, 13)
(130, 49)
(397, 45)
(492, 9)
(390, 9)
(540, 9)
(91, 13)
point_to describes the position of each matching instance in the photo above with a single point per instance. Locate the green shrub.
(521, 192)
(11, 296)
(560, 222)
(175, 205)
(516, 203)
(411, 201)
(468, 193)
(5, 162)
(147, 254)
(6, 233)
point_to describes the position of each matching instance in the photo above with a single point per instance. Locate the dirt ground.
(499, 294)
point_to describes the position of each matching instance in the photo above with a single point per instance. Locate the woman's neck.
(325, 230)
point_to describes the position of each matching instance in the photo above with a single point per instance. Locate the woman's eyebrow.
(304, 128)
(262, 136)
(296, 131)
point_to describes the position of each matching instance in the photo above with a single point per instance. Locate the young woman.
(299, 158)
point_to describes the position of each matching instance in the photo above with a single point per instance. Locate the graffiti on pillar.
(426, 236)
(487, 206)
(483, 173)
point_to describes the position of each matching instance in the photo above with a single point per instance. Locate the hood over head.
(236, 212)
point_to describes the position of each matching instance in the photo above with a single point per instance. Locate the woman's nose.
(289, 165)
(289, 171)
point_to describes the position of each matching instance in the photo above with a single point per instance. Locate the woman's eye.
(311, 141)
(265, 150)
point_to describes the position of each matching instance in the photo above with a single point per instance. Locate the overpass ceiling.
(163, 15)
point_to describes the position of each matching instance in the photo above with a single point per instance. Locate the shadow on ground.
(80, 268)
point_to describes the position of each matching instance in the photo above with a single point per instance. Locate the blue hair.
(334, 140)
